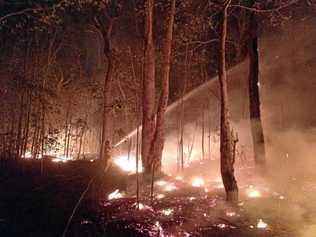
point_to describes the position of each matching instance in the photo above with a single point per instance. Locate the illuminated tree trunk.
(105, 137)
(226, 143)
(158, 143)
(254, 97)
(148, 121)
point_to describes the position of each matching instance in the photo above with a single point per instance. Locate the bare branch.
(17, 13)
(258, 10)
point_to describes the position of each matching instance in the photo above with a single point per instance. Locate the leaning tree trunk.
(148, 122)
(226, 149)
(158, 142)
(105, 136)
(254, 98)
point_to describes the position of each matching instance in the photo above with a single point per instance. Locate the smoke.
(287, 89)
(288, 97)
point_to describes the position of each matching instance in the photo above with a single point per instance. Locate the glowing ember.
(161, 183)
(128, 165)
(160, 196)
(115, 195)
(198, 182)
(230, 213)
(222, 226)
(167, 212)
(261, 224)
(206, 190)
(27, 155)
(253, 193)
(59, 160)
(192, 198)
(179, 178)
(170, 187)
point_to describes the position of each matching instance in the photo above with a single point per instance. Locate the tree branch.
(17, 13)
(253, 9)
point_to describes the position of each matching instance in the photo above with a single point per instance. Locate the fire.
(115, 195)
(62, 158)
(59, 160)
(230, 213)
(27, 155)
(170, 187)
(179, 178)
(222, 226)
(261, 224)
(128, 165)
(160, 196)
(142, 206)
(198, 182)
(167, 212)
(161, 183)
(253, 193)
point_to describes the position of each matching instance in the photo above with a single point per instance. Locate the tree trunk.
(254, 97)
(226, 143)
(158, 143)
(203, 133)
(105, 137)
(148, 121)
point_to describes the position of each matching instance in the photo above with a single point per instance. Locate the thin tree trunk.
(105, 136)
(19, 132)
(181, 121)
(68, 139)
(203, 134)
(42, 138)
(148, 121)
(27, 123)
(254, 97)
(226, 143)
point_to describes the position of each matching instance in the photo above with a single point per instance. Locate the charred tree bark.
(254, 97)
(226, 143)
(148, 121)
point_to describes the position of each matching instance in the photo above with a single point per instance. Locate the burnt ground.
(32, 204)
(35, 205)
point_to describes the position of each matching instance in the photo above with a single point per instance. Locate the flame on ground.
(198, 182)
(142, 206)
(161, 183)
(261, 224)
(253, 193)
(128, 165)
(115, 195)
(179, 178)
(167, 212)
(170, 187)
(160, 196)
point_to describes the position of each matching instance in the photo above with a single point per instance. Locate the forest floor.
(40, 205)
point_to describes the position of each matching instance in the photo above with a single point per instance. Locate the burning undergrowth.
(186, 205)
